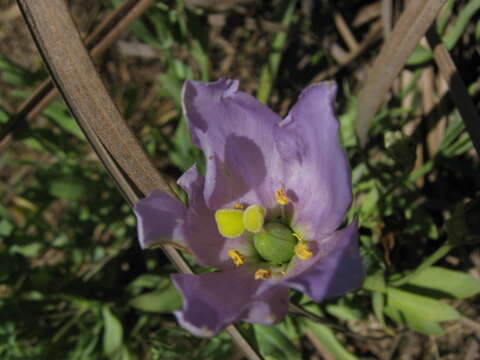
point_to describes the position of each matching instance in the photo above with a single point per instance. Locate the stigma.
(237, 258)
(253, 218)
(229, 222)
(282, 197)
(262, 274)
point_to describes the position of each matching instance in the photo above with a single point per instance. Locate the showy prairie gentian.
(265, 214)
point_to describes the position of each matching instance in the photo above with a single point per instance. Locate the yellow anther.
(262, 274)
(253, 218)
(282, 197)
(238, 206)
(302, 251)
(237, 258)
(229, 222)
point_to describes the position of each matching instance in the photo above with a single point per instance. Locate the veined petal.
(201, 235)
(235, 131)
(317, 174)
(214, 300)
(335, 268)
(160, 219)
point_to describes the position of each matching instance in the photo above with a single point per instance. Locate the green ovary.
(275, 243)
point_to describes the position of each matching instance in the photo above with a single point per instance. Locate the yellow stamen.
(229, 222)
(237, 258)
(238, 206)
(262, 274)
(302, 251)
(282, 197)
(253, 218)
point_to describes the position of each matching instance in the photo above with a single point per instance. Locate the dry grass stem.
(410, 28)
(322, 350)
(373, 35)
(345, 32)
(387, 18)
(456, 86)
(75, 76)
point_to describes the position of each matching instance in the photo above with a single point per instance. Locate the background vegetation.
(73, 281)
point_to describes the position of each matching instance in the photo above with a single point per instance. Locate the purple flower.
(265, 214)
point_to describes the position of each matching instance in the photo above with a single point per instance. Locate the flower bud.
(275, 243)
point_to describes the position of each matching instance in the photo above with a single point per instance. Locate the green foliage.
(327, 338)
(112, 334)
(422, 55)
(15, 74)
(58, 112)
(270, 69)
(421, 313)
(74, 283)
(456, 284)
(164, 299)
(274, 343)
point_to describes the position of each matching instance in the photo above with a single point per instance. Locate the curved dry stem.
(78, 82)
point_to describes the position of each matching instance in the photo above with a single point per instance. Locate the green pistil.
(275, 243)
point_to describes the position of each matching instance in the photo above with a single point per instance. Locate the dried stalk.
(457, 88)
(372, 36)
(345, 32)
(387, 17)
(75, 76)
(317, 344)
(410, 28)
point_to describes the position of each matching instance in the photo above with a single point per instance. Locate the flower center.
(275, 243)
